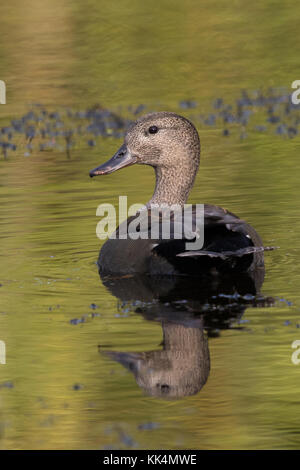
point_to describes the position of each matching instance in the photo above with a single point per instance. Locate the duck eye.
(153, 130)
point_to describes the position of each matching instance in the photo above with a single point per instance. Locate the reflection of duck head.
(186, 308)
(181, 368)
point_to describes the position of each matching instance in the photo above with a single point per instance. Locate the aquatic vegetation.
(270, 112)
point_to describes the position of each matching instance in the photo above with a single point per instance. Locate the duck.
(170, 144)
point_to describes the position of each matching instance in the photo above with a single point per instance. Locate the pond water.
(83, 356)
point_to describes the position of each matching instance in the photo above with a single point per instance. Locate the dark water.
(79, 351)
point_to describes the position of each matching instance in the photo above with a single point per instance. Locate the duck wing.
(228, 243)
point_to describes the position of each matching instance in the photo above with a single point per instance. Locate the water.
(65, 383)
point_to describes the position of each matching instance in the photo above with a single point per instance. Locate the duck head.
(167, 142)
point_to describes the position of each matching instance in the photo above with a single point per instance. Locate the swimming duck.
(170, 144)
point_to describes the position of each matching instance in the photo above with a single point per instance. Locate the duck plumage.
(170, 144)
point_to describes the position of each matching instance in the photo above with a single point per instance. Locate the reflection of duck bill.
(130, 361)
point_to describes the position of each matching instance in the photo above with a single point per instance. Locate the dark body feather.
(230, 244)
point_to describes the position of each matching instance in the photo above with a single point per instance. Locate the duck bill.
(121, 159)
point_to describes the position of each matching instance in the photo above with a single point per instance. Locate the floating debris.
(7, 384)
(76, 321)
(218, 103)
(94, 306)
(127, 440)
(187, 104)
(84, 318)
(260, 128)
(148, 426)
(211, 120)
(77, 386)
(273, 119)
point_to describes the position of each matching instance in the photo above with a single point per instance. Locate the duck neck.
(172, 186)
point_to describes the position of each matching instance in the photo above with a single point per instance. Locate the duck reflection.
(180, 368)
(190, 310)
